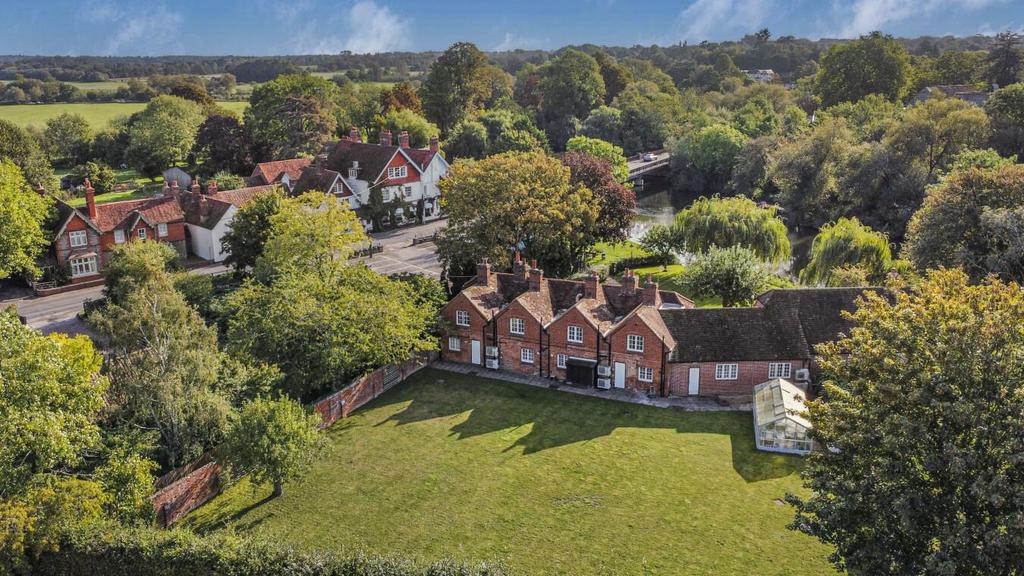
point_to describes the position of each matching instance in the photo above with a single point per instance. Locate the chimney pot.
(434, 144)
(385, 137)
(483, 272)
(211, 187)
(629, 282)
(536, 279)
(403, 138)
(590, 285)
(90, 200)
(519, 267)
(650, 294)
(353, 135)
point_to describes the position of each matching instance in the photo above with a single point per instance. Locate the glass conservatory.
(779, 424)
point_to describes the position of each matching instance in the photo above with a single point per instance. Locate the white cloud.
(373, 28)
(863, 16)
(704, 19)
(513, 41)
(136, 30)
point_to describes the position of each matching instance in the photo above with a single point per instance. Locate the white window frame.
(408, 191)
(141, 232)
(526, 355)
(517, 326)
(454, 344)
(386, 195)
(86, 266)
(727, 371)
(780, 370)
(461, 318)
(161, 230)
(396, 172)
(645, 373)
(634, 343)
(574, 334)
(81, 236)
(118, 236)
(562, 360)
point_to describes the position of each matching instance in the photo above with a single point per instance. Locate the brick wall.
(652, 356)
(477, 330)
(186, 488)
(510, 345)
(749, 374)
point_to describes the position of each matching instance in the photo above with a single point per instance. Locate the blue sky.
(144, 27)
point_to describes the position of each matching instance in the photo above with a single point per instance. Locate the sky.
(267, 27)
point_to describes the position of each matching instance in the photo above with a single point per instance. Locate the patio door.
(475, 351)
(620, 375)
(694, 388)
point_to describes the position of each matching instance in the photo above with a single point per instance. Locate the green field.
(549, 482)
(98, 114)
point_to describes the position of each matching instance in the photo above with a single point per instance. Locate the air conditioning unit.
(604, 383)
(803, 375)
(492, 351)
(492, 364)
(604, 370)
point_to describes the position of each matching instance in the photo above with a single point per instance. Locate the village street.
(59, 312)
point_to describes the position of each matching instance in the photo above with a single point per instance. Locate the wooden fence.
(186, 488)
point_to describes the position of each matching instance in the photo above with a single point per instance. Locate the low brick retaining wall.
(186, 488)
(39, 291)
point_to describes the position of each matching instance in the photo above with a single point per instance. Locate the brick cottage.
(636, 336)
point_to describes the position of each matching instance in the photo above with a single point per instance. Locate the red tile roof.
(210, 208)
(271, 172)
(113, 215)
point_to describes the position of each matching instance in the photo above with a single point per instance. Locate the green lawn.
(99, 115)
(112, 197)
(551, 483)
(615, 252)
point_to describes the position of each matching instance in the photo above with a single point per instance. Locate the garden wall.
(186, 488)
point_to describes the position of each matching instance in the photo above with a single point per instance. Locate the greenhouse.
(779, 423)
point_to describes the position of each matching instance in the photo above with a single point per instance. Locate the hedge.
(615, 268)
(118, 551)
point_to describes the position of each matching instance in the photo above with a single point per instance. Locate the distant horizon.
(258, 28)
(486, 51)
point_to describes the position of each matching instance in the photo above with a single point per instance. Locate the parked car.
(649, 157)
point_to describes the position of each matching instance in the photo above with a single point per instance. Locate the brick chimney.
(385, 137)
(591, 285)
(518, 266)
(629, 282)
(536, 277)
(483, 273)
(435, 144)
(403, 139)
(90, 200)
(195, 186)
(211, 187)
(165, 189)
(353, 135)
(650, 296)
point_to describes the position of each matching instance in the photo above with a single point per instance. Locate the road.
(399, 255)
(58, 312)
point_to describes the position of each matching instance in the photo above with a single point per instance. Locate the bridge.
(646, 164)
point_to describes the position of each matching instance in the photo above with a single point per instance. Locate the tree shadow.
(558, 419)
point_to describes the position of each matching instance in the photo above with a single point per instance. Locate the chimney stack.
(385, 137)
(211, 187)
(434, 144)
(519, 267)
(536, 277)
(591, 285)
(90, 200)
(165, 189)
(650, 296)
(353, 135)
(195, 186)
(403, 138)
(483, 273)
(629, 282)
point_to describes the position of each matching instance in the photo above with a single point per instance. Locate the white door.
(475, 350)
(620, 375)
(694, 381)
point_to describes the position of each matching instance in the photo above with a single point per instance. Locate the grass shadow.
(558, 419)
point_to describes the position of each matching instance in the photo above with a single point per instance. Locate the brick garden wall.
(186, 488)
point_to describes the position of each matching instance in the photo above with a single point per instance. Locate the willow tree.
(726, 222)
(847, 243)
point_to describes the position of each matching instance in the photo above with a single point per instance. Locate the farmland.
(99, 115)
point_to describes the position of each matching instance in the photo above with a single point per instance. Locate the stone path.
(691, 404)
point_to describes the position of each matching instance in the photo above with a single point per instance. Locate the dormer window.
(396, 172)
(142, 233)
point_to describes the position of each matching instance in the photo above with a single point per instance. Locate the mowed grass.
(98, 115)
(549, 482)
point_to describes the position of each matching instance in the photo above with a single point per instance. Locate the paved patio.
(691, 404)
